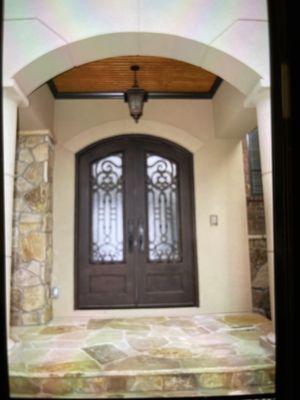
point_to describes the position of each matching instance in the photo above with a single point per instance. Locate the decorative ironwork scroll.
(107, 209)
(163, 211)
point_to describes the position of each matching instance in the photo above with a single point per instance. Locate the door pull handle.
(141, 234)
(130, 236)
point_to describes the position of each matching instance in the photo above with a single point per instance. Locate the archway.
(49, 64)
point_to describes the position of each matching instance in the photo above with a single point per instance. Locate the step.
(181, 356)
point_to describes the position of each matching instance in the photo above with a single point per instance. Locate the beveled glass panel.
(107, 209)
(163, 212)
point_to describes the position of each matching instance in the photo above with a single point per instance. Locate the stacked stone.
(259, 275)
(32, 230)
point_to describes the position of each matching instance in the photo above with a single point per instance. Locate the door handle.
(141, 233)
(130, 236)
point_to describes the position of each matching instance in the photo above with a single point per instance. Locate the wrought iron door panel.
(135, 225)
(162, 209)
(104, 262)
(166, 269)
(106, 186)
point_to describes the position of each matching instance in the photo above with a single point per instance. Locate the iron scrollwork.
(107, 209)
(163, 213)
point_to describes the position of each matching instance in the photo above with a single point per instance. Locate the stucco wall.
(230, 114)
(223, 260)
(40, 113)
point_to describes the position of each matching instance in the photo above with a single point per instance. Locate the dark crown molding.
(120, 95)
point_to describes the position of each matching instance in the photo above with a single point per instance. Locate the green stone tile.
(194, 331)
(104, 336)
(180, 382)
(146, 344)
(246, 335)
(243, 320)
(171, 352)
(202, 363)
(253, 378)
(57, 355)
(97, 323)
(27, 356)
(267, 389)
(66, 368)
(23, 385)
(123, 324)
(105, 353)
(17, 368)
(151, 320)
(207, 362)
(210, 321)
(129, 326)
(180, 322)
(73, 336)
(80, 387)
(90, 386)
(142, 363)
(36, 337)
(58, 330)
(214, 380)
(144, 383)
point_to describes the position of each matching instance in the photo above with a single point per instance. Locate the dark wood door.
(135, 236)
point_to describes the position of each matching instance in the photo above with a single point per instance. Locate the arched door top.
(126, 126)
(136, 137)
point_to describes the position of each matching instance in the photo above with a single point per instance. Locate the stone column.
(12, 98)
(32, 230)
(263, 110)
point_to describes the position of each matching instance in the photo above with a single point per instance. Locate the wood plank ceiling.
(156, 74)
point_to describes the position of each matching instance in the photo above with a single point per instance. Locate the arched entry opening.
(42, 65)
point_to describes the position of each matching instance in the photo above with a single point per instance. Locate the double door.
(135, 239)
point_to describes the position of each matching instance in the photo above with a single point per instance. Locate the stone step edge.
(131, 384)
(197, 393)
(190, 371)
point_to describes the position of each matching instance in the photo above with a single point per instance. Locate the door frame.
(155, 139)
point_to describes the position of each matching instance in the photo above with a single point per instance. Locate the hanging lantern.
(135, 97)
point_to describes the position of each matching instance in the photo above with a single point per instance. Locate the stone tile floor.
(180, 356)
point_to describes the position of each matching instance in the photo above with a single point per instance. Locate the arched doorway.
(135, 234)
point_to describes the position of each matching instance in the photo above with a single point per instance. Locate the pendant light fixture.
(135, 97)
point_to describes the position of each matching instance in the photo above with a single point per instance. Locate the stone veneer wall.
(32, 230)
(257, 245)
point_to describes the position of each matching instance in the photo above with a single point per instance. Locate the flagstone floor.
(197, 355)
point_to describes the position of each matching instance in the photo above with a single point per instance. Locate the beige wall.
(40, 113)
(72, 117)
(223, 261)
(231, 118)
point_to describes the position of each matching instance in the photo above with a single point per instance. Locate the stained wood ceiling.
(156, 74)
